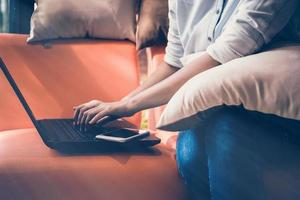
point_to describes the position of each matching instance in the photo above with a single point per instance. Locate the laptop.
(61, 134)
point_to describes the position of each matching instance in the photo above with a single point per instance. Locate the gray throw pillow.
(109, 19)
(153, 23)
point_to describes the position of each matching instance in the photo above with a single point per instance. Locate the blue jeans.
(237, 155)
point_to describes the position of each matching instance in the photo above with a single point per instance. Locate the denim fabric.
(192, 163)
(237, 155)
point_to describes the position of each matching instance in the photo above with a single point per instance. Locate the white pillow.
(109, 19)
(267, 82)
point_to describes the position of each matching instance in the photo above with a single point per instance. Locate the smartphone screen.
(123, 135)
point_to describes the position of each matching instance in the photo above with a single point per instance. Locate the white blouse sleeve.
(174, 49)
(254, 24)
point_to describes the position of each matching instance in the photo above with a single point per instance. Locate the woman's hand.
(96, 112)
(144, 97)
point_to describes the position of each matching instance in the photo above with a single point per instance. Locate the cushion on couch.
(54, 19)
(153, 23)
(267, 82)
(55, 79)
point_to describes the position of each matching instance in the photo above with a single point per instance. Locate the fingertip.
(99, 122)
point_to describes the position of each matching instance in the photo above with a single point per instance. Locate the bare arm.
(162, 72)
(161, 93)
(155, 95)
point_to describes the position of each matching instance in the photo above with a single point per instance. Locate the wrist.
(130, 105)
(124, 99)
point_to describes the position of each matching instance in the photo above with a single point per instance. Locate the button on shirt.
(225, 29)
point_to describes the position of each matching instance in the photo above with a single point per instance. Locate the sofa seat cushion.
(55, 78)
(267, 82)
(30, 170)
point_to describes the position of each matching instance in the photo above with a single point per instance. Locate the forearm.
(163, 71)
(161, 93)
(156, 95)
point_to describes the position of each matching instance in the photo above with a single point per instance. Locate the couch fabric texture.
(107, 19)
(31, 171)
(267, 82)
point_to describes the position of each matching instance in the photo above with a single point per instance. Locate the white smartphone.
(124, 135)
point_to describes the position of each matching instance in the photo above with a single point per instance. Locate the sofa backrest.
(54, 79)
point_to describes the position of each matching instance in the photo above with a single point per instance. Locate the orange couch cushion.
(29, 170)
(54, 79)
(155, 56)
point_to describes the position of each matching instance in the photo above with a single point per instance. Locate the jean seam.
(209, 179)
(208, 170)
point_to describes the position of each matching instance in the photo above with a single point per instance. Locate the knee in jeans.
(190, 153)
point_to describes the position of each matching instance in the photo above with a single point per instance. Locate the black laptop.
(61, 134)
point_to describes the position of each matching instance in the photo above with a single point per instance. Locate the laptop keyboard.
(67, 127)
(63, 129)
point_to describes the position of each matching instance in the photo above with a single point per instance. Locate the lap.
(245, 157)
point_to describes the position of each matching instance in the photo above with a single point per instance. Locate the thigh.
(249, 158)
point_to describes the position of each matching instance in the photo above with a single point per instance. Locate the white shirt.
(225, 29)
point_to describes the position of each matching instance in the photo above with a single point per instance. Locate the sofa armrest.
(155, 56)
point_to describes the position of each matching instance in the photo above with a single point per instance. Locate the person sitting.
(214, 32)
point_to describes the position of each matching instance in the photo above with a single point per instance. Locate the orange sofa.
(53, 79)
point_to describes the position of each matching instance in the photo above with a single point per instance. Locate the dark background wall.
(15, 15)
